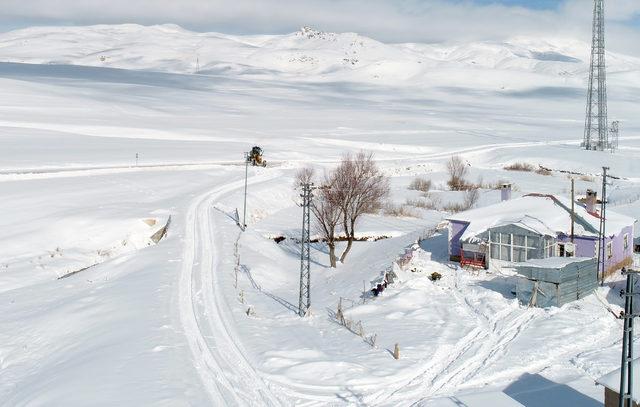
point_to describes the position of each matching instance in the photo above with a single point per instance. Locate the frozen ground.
(166, 324)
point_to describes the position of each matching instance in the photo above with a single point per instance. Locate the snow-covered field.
(166, 323)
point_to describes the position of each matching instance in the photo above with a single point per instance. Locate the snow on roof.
(612, 380)
(483, 399)
(543, 214)
(555, 262)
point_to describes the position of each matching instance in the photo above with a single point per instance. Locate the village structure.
(552, 243)
(611, 384)
(554, 246)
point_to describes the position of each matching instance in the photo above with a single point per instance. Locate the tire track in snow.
(479, 348)
(500, 330)
(492, 344)
(415, 386)
(219, 359)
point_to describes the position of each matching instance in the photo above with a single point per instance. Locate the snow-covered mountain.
(307, 53)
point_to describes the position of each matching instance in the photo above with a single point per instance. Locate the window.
(566, 250)
(625, 239)
(609, 250)
(495, 251)
(505, 252)
(549, 247)
(515, 247)
(519, 254)
(519, 240)
(501, 246)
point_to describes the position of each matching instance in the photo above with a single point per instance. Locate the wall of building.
(588, 247)
(585, 246)
(456, 229)
(621, 257)
(538, 253)
(612, 398)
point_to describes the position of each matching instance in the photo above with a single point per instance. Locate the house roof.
(543, 214)
(612, 380)
(555, 262)
(482, 399)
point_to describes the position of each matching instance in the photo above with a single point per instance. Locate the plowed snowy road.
(220, 359)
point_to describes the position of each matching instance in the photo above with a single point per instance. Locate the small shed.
(611, 383)
(555, 281)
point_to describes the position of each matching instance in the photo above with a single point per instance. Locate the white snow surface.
(208, 315)
(546, 215)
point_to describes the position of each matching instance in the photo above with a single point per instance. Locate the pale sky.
(385, 20)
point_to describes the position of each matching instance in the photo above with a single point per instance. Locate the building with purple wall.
(538, 226)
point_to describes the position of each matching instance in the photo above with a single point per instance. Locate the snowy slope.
(306, 54)
(169, 324)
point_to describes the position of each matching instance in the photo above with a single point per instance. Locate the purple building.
(538, 226)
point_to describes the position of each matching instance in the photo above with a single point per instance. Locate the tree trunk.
(351, 236)
(332, 255)
(347, 249)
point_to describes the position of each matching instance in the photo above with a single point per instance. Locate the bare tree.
(457, 170)
(303, 176)
(324, 206)
(327, 213)
(360, 188)
(352, 189)
(471, 197)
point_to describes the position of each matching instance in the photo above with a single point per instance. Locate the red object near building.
(473, 259)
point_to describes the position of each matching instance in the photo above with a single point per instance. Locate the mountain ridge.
(305, 54)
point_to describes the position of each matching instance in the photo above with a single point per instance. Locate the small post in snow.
(364, 292)
(396, 352)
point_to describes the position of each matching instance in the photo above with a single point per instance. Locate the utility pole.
(246, 174)
(626, 366)
(304, 302)
(602, 236)
(573, 204)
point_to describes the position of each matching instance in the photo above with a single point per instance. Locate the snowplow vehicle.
(255, 157)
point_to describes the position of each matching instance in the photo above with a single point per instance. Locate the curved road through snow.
(221, 361)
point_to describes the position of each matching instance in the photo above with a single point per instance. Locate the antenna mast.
(614, 130)
(596, 134)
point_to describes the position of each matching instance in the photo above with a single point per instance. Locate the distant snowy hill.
(307, 54)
